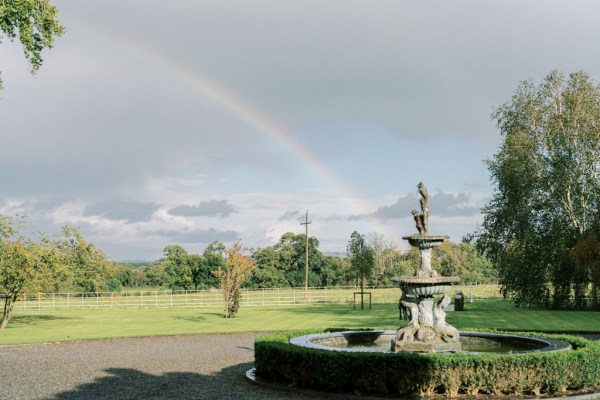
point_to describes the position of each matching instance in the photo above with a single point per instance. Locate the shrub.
(408, 373)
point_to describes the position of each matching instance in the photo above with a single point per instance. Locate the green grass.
(53, 326)
(503, 315)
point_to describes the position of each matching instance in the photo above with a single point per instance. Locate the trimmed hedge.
(408, 374)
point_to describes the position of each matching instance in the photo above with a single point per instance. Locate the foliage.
(178, 269)
(386, 258)
(268, 272)
(86, 267)
(586, 259)
(25, 264)
(408, 373)
(124, 274)
(150, 275)
(547, 178)
(238, 268)
(283, 264)
(213, 257)
(361, 257)
(34, 22)
(462, 259)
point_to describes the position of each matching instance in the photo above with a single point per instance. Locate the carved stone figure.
(407, 333)
(424, 216)
(419, 222)
(448, 333)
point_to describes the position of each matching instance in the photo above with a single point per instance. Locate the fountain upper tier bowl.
(426, 286)
(425, 241)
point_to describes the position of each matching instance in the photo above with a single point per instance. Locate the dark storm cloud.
(206, 208)
(198, 235)
(290, 216)
(441, 204)
(119, 209)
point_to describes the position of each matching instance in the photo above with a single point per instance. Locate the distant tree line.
(283, 265)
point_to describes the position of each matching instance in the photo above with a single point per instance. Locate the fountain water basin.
(471, 342)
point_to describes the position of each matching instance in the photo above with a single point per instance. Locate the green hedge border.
(427, 374)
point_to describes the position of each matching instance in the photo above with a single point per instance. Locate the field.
(62, 325)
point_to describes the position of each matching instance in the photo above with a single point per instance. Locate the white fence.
(198, 298)
(214, 299)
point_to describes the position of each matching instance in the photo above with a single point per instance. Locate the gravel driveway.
(169, 367)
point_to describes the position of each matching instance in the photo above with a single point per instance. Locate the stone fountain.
(427, 330)
(481, 363)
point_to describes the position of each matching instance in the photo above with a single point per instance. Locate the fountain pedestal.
(427, 330)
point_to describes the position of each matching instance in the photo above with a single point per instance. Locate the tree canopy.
(547, 185)
(361, 257)
(36, 25)
(25, 264)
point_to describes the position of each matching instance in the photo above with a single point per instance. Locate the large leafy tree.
(213, 257)
(35, 24)
(268, 272)
(25, 264)
(180, 268)
(547, 187)
(291, 249)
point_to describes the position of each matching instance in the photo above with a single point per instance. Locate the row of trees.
(371, 260)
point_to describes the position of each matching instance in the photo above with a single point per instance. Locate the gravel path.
(172, 367)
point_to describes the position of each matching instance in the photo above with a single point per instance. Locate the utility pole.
(306, 223)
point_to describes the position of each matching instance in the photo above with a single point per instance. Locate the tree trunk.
(8, 305)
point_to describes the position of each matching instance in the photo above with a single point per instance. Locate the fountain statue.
(427, 330)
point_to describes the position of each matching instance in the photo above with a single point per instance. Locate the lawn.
(53, 326)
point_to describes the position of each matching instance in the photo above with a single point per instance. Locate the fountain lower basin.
(471, 342)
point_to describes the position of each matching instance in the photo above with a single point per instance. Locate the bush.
(426, 374)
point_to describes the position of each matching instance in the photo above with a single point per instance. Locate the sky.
(184, 122)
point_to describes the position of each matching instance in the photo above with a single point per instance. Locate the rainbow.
(240, 109)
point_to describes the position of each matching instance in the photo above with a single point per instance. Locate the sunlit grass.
(52, 326)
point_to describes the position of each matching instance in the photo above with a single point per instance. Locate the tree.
(463, 260)
(238, 268)
(34, 22)
(291, 249)
(268, 273)
(386, 256)
(361, 259)
(151, 275)
(547, 187)
(25, 264)
(178, 269)
(87, 268)
(213, 257)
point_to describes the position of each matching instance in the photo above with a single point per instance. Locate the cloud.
(198, 235)
(290, 216)
(119, 209)
(206, 208)
(441, 204)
